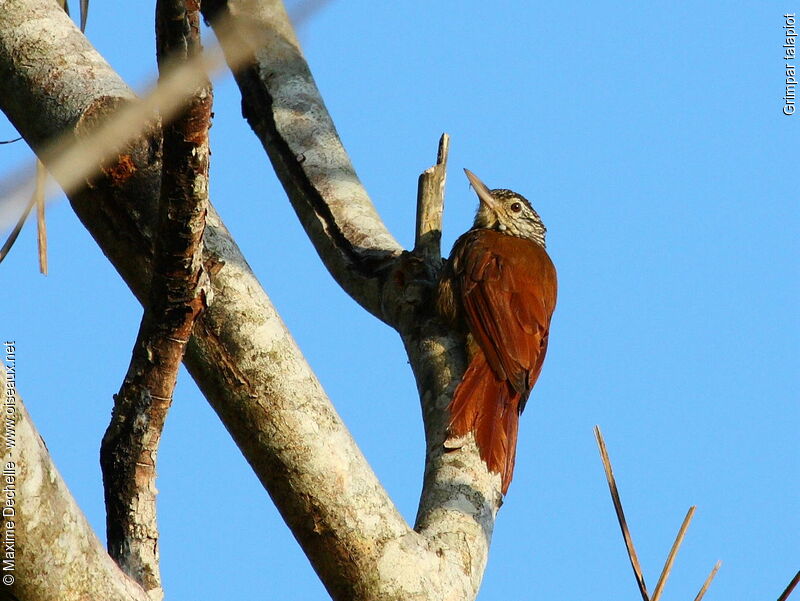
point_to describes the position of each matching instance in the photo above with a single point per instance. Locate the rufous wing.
(508, 294)
(506, 289)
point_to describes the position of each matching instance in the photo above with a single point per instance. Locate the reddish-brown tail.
(490, 408)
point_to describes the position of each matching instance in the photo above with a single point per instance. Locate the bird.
(499, 289)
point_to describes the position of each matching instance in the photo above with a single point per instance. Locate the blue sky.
(650, 139)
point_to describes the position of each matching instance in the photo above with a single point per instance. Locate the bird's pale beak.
(483, 192)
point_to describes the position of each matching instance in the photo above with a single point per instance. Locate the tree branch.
(241, 355)
(460, 497)
(130, 445)
(57, 554)
(283, 106)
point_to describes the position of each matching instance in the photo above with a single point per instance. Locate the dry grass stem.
(673, 552)
(612, 486)
(707, 583)
(41, 226)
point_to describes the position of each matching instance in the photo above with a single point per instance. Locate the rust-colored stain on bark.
(197, 119)
(120, 171)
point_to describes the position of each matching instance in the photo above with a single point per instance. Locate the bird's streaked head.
(507, 212)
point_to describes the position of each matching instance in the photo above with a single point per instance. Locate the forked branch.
(130, 446)
(241, 355)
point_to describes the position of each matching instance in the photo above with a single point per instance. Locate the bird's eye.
(516, 207)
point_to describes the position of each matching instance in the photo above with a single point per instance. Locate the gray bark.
(241, 355)
(58, 556)
(283, 106)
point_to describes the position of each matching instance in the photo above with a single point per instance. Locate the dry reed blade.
(41, 226)
(707, 583)
(623, 525)
(673, 552)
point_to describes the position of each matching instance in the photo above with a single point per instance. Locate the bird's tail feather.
(489, 408)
